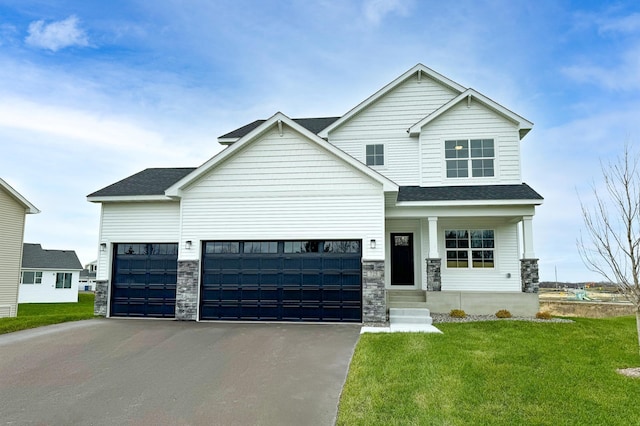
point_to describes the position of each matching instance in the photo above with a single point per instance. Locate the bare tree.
(611, 246)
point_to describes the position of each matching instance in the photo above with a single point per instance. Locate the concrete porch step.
(402, 304)
(410, 320)
(421, 312)
(410, 315)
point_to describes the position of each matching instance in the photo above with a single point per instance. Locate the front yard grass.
(496, 373)
(32, 315)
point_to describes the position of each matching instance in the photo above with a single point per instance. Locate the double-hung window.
(469, 157)
(470, 248)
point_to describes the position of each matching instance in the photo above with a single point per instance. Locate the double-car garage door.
(311, 280)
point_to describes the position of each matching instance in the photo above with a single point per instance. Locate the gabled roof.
(314, 125)
(35, 257)
(279, 120)
(524, 125)
(418, 69)
(469, 193)
(30, 208)
(147, 184)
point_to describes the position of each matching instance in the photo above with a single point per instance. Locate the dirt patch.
(630, 372)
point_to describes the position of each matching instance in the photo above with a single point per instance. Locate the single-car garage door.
(314, 280)
(144, 280)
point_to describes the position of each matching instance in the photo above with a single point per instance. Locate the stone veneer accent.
(101, 302)
(529, 274)
(434, 276)
(187, 290)
(374, 300)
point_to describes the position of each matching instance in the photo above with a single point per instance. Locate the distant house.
(13, 210)
(49, 276)
(88, 277)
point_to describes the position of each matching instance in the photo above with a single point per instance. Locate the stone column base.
(529, 274)
(101, 301)
(374, 299)
(187, 290)
(434, 275)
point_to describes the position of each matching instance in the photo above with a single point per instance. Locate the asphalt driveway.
(146, 372)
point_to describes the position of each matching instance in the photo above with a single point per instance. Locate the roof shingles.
(35, 257)
(147, 182)
(468, 193)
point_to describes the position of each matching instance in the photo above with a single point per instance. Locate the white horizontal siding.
(283, 165)
(284, 187)
(489, 279)
(462, 122)
(387, 120)
(149, 222)
(12, 218)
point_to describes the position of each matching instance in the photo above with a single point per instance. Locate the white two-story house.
(415, 195)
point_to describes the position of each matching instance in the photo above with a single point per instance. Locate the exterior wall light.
(187, 244)
(372, 244)
(103, 247)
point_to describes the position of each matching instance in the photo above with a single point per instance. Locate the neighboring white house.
(414, 198)
(49, 276)
(88, 277)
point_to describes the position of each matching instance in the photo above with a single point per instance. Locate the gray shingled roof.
(470, 192)
(146, 182)
(314, 125)
(34, 256)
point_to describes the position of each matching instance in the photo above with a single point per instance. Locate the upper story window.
(375, 155)
(469, 157)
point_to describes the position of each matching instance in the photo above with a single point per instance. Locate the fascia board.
(128, 198)
(31, 209)
(227, 141)
(445, 203)
(386, 89)
(523, 123)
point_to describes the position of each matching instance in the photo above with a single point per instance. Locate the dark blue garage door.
(313, 280)
(144, 280)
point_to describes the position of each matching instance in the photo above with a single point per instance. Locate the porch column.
(187, 290)
(433, 238)
(527, 237)
(529, 262)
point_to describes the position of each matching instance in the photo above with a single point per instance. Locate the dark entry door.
(402, 259)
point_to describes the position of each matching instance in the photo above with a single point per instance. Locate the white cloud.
(626, 24)
(57, 35)
(376, 10)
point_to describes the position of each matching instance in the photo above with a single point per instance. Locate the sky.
(93, 91)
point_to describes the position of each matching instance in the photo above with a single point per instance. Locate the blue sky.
(94, 91)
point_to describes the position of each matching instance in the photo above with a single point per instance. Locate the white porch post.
(433, 238)
(527, 237)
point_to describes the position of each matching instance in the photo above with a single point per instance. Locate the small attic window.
(375, 155)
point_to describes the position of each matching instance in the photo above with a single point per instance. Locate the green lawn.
(496, 373)
(31, 315)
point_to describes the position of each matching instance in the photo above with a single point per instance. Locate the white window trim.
(465, 181)
(470, 249)
(35, 273)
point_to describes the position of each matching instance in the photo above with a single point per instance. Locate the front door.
(402, 259)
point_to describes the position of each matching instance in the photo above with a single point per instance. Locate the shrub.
(457, 313)
(503, 313)
(543, 315)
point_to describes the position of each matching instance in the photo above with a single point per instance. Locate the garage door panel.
(284, 281)
(144, 280)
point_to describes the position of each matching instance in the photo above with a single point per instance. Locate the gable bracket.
(280, 127)
(419, 76)
(469, 101)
